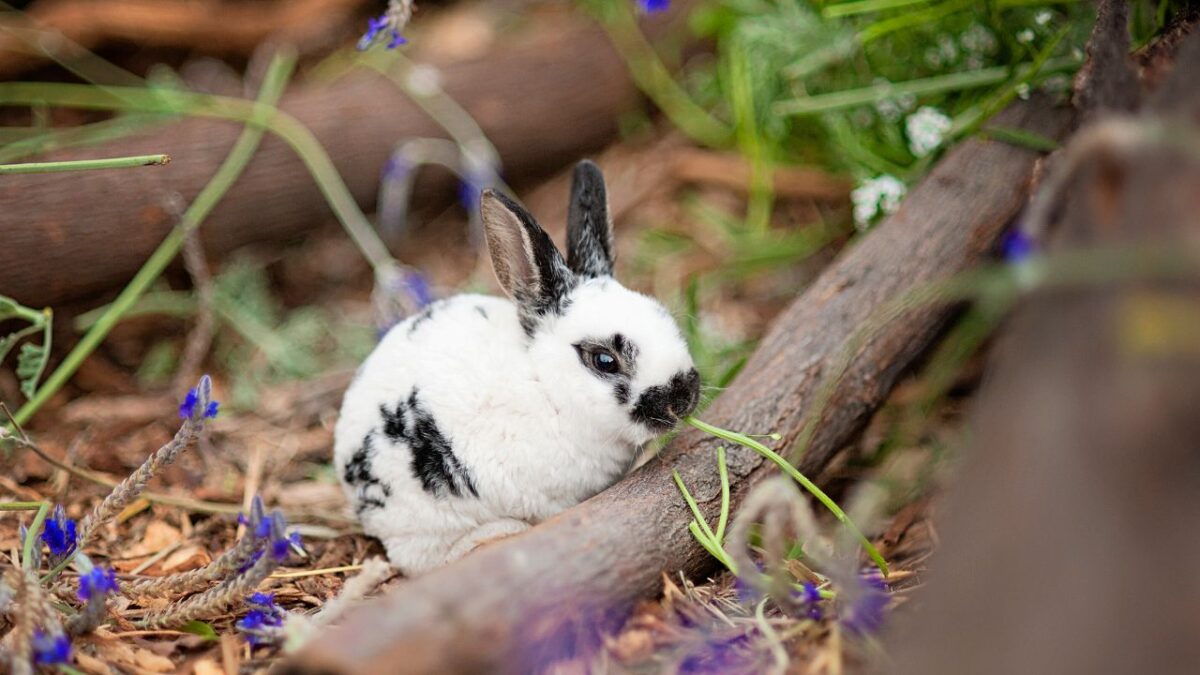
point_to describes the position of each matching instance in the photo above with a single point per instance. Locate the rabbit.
(482, 416)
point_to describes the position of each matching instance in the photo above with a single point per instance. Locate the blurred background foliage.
(869, 91)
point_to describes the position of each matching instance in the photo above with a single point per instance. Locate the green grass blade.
(85, 164)
(724, 518)
(691, 502)
(31, 538)
(969, 79)
(786, 466)
(204, 203)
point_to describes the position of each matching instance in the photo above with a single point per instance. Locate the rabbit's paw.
(486, 533)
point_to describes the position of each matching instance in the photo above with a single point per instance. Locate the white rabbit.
(481, 416)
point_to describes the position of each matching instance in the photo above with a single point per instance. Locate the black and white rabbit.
(482, 416)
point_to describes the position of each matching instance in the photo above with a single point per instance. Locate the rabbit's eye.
(605, 362)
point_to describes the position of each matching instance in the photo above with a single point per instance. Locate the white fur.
(536, 429)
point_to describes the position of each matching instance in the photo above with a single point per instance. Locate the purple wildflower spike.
(59, 534)
(865, 614)
(97, 583)
(51, 649)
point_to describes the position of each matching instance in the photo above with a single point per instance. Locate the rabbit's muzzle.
(661, 406)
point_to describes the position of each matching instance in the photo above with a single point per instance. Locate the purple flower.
(200, 395)
(418, 287)
(187, 409)
(374, 27)
(59, 534)
(469, 194)
(747, 591)
(49, 650)
(1017, 246)
(865, 613)
(377, 26)
(251, 562)
(810, 597)
(652, 6)
(263, 599)
(281, 542)
(97, 583)
(263, 623)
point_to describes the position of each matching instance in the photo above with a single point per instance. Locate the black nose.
(660, 407)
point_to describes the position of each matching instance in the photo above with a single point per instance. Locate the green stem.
(21, 506)
(204, 203)
(85, 164)
(723, 520)
(800, 478)
(47, 339)
(656, 82)
(971, 122)
(32, 536)
(930, 85)
(865, 7)
(62, 565)
(283, 125)
(921, 17)
(691, 502)
(1020, 137)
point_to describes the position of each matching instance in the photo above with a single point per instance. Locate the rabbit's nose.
(661, 406)
(686, 393)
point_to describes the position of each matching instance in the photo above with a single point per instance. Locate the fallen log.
(1069, 539)
(213, 26)
(547, 595)
(543, 97)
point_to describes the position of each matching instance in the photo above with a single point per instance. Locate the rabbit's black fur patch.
(358, 473)
(433, 460)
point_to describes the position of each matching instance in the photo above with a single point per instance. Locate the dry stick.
(214, 600)
(200, 338)
(550, 593)
(228, 563)
(194, 505)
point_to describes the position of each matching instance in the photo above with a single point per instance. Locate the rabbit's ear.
(589, 230)
(528, 266)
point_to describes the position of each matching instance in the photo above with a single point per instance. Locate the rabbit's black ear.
(530, 269)
(589, 231)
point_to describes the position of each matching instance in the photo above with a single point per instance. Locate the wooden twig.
(548, 594)
(733, 171)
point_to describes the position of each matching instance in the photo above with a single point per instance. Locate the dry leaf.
(153, 662)
(207, 667)
(187, 558)
(91, 664)
(159, 535)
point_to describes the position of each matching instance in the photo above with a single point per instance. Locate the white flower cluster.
(876, 195)
(926, 129)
